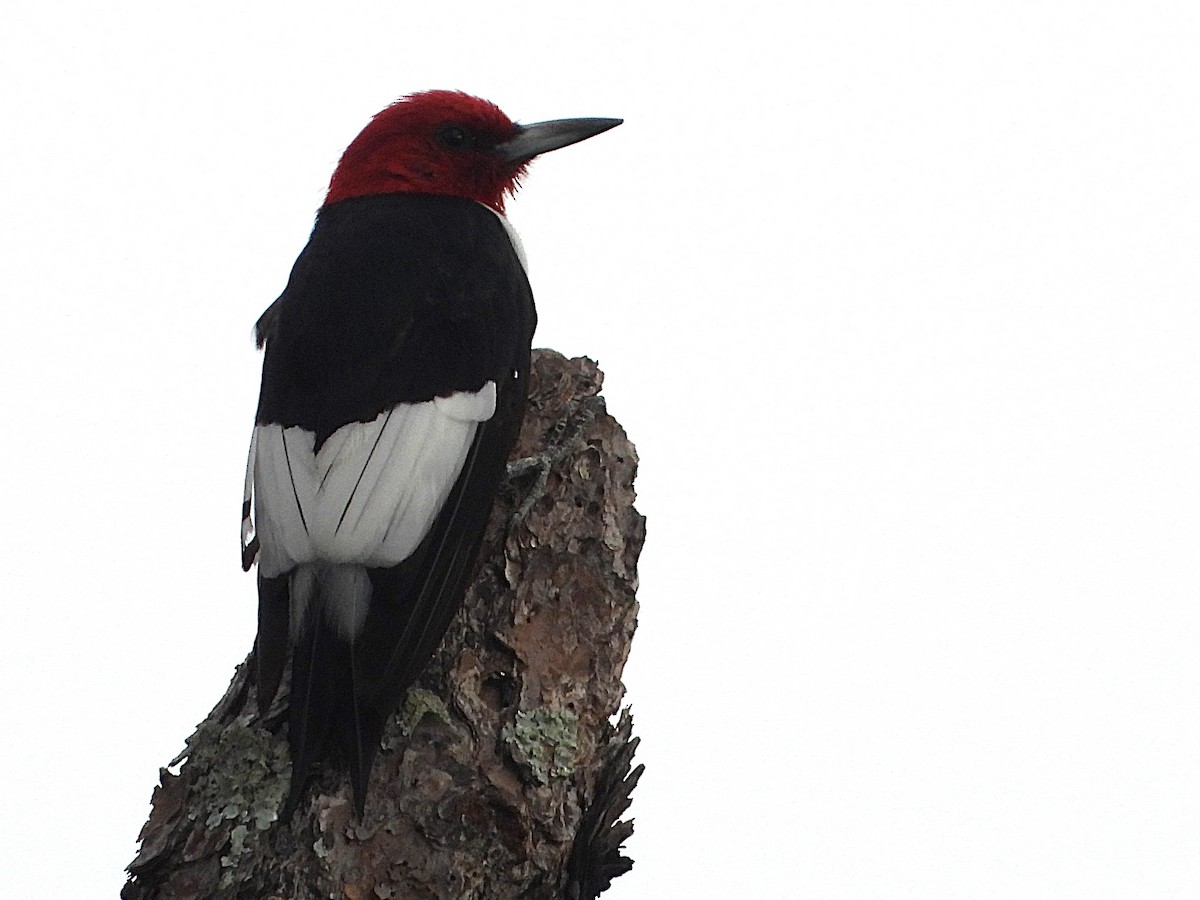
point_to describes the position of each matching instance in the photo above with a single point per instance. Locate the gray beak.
(542, 137)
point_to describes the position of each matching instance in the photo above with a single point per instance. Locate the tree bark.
(503, 775)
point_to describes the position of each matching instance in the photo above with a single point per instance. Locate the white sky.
(898, 302)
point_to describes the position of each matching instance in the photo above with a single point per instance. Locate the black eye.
(454, 137)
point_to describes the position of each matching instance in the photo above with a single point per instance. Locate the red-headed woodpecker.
(393, 388)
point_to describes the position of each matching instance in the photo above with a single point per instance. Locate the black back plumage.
(397, 298)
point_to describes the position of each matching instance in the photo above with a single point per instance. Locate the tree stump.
(503, 775)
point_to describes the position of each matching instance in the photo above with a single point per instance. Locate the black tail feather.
(359, 731)
(328, 713)
(271, 644)
(320, 673)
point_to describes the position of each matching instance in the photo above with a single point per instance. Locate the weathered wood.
(503, 775)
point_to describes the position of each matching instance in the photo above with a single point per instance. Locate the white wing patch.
(370, 494)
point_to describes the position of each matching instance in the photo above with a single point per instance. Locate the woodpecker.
(394, 383)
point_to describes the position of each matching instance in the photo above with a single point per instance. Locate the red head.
(448, 142)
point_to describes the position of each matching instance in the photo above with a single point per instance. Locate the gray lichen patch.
(239, 774)
(545, 741)
(417, 704)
